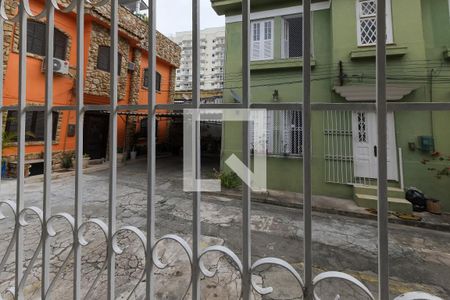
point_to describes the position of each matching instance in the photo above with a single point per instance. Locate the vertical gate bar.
(151, 138)
(307, 194)
(21, 114)
(48, 130)
(333, 175)
(114, 49)
(246, 192)
(341, 145)
(196, 221)
(325, 151)
(1, 90)
(346, 131)
(79, 151)
(383, 251)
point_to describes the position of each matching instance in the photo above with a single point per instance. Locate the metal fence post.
(21, 114)
(196, 195)
(307, 158)
(151, 149)
(383, 251)
(48, 143)
(246, 190)
(79, 150)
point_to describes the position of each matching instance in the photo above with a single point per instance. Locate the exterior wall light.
(275, 96)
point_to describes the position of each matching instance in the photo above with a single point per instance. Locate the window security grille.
(146, 81)
(36, 40)
(292, 37)
(104, 61)
(34, 124)
(284, 133)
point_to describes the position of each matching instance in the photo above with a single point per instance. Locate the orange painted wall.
(35, 83)
(64, 86)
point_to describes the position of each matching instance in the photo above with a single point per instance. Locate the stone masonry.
(97, 81)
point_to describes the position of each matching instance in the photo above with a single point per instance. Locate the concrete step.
(395, 204)
(393, 192)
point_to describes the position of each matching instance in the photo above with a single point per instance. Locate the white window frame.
(262, 23)
(280, 133)
(389, 31)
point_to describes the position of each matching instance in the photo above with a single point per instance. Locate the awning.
(367, 92)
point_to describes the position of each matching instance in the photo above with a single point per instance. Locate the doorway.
(365, 148)
(95, 134)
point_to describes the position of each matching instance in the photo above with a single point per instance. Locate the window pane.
(158, 81)
(60, 45)
(267, 30)
(34, 125)
(104, 62)
(295, 37)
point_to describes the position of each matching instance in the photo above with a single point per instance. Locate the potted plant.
(133, 152)
(86, 159)
(7, 139)
(119, 154)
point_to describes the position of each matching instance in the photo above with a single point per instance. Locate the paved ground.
(420, 258)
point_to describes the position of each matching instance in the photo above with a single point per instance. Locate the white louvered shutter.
(268, 40)
(256, 41)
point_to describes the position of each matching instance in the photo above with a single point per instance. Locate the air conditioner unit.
(131, 66)
(59, 66)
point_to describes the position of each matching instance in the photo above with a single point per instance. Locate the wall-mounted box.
(426, 143)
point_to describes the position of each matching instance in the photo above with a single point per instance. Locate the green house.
(343, 71)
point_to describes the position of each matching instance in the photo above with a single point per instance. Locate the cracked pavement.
(419, 258)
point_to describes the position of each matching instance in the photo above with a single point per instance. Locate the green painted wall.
(422, 26)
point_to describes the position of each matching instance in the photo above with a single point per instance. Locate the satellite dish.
(236, 97)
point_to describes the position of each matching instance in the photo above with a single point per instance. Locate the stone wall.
(135, 77)
(173, 75)
(8, 28)
(98, 81)
(7, 37)
(137, 28)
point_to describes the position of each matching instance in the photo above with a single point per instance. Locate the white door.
(365, 147)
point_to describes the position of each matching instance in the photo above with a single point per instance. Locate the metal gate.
(244, 264)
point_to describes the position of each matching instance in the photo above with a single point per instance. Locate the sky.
(175, 15)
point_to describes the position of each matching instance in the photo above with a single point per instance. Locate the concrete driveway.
(420, 258)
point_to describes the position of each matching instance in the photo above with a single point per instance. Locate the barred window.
(292, 37)
(34, 124)
(146, 80)
(104, 61)
(36, 40)
(367, 25)
(284, 133)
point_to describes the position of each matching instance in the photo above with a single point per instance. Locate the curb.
(392, 220)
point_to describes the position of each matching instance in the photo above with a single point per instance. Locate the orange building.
(132, 88)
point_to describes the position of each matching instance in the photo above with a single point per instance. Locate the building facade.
(212, 58)
(343, 71)
(132, 89)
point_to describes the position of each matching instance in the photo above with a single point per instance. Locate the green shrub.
(66, 160)
(229, 180)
